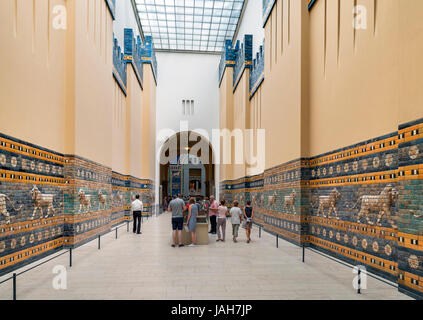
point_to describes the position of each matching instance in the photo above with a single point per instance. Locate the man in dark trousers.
(137, 209)
(213, 215)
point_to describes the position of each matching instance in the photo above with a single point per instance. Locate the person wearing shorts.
(177, 207)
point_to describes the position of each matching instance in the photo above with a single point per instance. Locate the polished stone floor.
(147, 267)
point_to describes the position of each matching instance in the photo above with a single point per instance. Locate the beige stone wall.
(57, 88)
(122, 113)
(93, 81)
(254, 122)
(240, 122)
(153, 113)
(256, 108)
(32, 60)
(410, 60)
(148, 124)
(226, 119)
(133, 152)
(282, 88)
(363, 83)
(353, 74)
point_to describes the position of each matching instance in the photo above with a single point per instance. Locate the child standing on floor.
(236, 217)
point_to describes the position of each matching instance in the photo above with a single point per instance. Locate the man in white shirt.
(137, 209)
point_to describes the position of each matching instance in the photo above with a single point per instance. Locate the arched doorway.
(187, 166)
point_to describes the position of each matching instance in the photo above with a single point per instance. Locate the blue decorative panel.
(148, 54)
(119, 66)
(239, 58)
(257, 71)
(133, 53)
(244, 57)
(227, 59)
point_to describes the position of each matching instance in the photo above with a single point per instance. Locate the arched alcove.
(187, 166)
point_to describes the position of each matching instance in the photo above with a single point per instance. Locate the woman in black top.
(248, 216)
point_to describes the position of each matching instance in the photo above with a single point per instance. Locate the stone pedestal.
(202, 233)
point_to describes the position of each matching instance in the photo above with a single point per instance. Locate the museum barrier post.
(14, 286)
(70, 257)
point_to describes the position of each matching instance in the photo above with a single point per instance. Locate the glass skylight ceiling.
(193, 25)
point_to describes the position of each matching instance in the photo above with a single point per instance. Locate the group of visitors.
(177, 206)
(218, 215)
(237, 216)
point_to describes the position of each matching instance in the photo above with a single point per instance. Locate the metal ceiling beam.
(137, 17)
(244, 6)
(188, 51)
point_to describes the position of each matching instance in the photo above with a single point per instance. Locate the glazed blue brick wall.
(28, 231)
(410, 208)
(240, 58)
(244, 58)
(392, 248)
(133, 53)
(119, 65)
(227, 58)
(257, 71)
(25, 237)
(149, 54)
